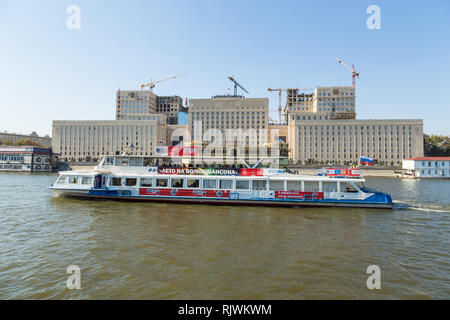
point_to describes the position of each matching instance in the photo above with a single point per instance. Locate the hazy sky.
(48, 72)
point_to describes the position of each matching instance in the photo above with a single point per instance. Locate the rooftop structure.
(27, 158)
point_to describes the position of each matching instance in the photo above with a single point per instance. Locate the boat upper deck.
(132, 166)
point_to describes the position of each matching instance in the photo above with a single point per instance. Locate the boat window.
(242, 184)
(276, 185)
(122, 162)
(162, 182)
(294, 186)
(329, 186)
(130, 182)
(312, 186)
(209, 184)
(360, 185)
(116, 182)
(86, 180)
(350, 188)
(226, 184)
(73, 180)
(193, 183)
(136, 162)
(259, 184)
(109, 161)
(148, 162)
(146, 182)
(62, 180)
(177, 183)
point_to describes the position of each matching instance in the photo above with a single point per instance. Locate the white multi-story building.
(85, 140)
(326, 102)
(229, 114)
(135, 104)
(341, 141)
(426, 167)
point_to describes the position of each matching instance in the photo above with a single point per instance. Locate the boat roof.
(288, 177)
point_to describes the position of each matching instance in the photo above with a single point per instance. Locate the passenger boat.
(127, 178)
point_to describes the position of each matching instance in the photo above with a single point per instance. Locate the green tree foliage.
(436, 146)
(5, 142)
(25, 142)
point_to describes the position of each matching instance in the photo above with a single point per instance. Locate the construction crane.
(280, 108)
(152, 84)
(352, 69)
(237, 84)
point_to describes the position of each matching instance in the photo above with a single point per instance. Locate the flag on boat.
(366, 161)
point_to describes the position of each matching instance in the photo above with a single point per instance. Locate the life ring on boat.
(47, 167)
(38, 159)
(38, 167)
(219, 193)
(173, 192)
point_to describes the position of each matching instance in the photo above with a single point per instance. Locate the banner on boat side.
(177, 151)
(298, 195)
(332, 172)
(184, 193)
(246, 172)
(252, 172)
(183, 151)
(199, 171)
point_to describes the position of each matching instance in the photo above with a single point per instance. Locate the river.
(159, 251)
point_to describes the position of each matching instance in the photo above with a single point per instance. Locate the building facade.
(230, 113)
(345, 141)
(327, 102)
(28, 159)
(426, 167)
(88, 140)
(135, 104)
(170, 106)
(13, 137)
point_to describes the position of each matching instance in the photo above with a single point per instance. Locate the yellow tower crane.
(152, 83)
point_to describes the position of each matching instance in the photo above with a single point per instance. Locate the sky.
(50, 72)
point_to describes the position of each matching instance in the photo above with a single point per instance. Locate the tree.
(436, 145)
(25, 142)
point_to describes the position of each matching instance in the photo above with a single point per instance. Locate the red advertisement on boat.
(183, 151)
(184, 193)
(247, 172)
(298, 195)
(338, 172)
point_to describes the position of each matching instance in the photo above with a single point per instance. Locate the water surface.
(160, 251)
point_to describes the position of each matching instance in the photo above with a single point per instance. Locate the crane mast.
(236, 85)
(352, 69)
(280, 108)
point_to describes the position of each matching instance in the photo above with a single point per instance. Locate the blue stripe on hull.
(377, 200)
